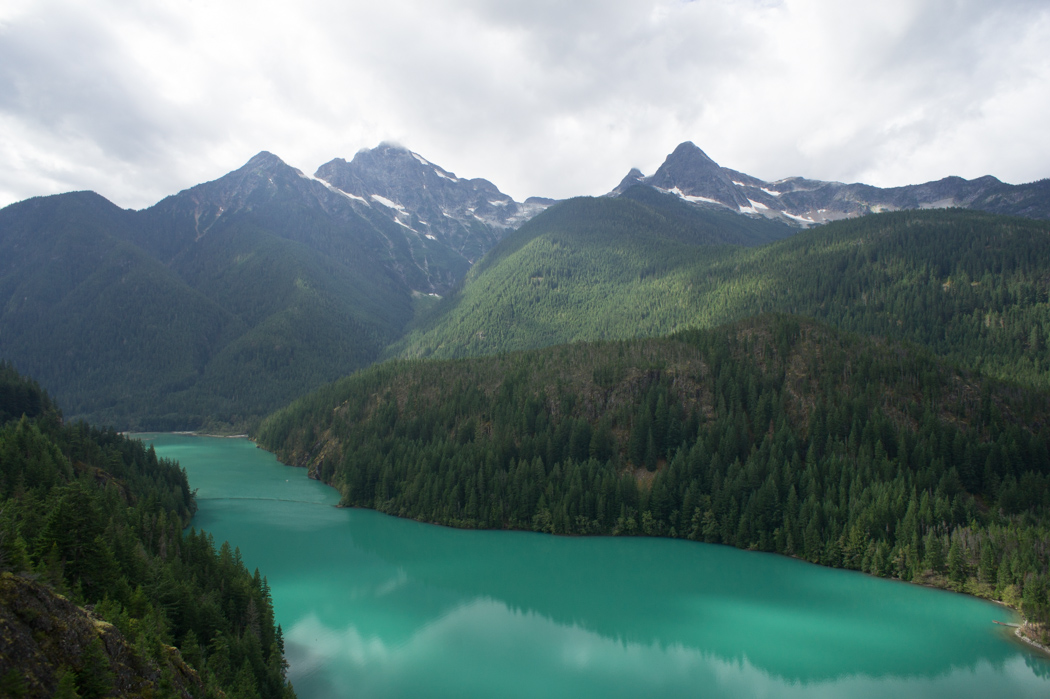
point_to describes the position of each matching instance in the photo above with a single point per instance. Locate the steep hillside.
(971, 286)
(49, 645)
(776, 434)
(225, 301)
(101, 592)
(587, 268)
(467, 216)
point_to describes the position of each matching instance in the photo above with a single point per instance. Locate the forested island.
(777, 433)
(101, 592)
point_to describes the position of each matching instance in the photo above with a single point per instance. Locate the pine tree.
(94, 678)
(67, 686)
(956, 564)
(934, 553)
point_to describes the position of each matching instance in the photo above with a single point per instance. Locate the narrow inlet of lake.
(375, 606)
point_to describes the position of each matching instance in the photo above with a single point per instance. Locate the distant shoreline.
(1018, 630)
(218, 436)
(189, 433)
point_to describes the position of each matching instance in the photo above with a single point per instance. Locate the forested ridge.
(972, 287)
(775, 434)
(96, 517)
(141, 321)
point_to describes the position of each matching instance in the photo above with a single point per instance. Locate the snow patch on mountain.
(801, 219)
(390, 204)
(330, 188)
(689, 197)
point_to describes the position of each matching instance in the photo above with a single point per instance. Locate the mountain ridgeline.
(587, 269)
(226, 301)
(90, 519)
(972, 287)
(692, 175)
(775, 434)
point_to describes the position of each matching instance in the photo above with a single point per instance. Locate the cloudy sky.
(137, 100)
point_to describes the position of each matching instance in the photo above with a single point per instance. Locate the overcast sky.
(138, 100)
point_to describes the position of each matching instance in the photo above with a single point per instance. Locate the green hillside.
(776, 434)
(97, 518)
(228, 329)
(971, 286)
(587, 269)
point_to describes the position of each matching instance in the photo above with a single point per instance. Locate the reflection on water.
(376, 606)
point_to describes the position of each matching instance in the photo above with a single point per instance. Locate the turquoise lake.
(375, 606)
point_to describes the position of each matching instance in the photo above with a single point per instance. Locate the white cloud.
(137, 101)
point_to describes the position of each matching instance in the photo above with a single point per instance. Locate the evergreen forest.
(96, 517)
(777, 433)
(970, 286)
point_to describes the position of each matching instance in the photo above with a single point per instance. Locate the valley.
(373, 604)
(224, 302)
(844, 375)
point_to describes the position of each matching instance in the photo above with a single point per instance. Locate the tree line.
(773, 434)
(99, 518)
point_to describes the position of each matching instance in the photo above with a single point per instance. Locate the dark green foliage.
(970, 286)
(67, 688)
(20, 396)
(776, 434)
(100, 517)
(140, 320)
(94, 679)
(586, 269)
(12, 685)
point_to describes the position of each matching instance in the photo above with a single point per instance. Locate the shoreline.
(189, 433)
(1030, 643)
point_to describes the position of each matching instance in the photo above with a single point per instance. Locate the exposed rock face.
(692, 175)
(467, 215)
(420, 222)
(42, 632)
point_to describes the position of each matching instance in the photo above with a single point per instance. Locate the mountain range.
(230, 298)
(691, 175)
(225, 301)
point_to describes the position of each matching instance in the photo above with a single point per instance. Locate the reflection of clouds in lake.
(318, 645)
(376, 606)
(394, 584)
(572, 661)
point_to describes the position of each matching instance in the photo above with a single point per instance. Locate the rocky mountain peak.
(258, 179)
(691, 174)
(264, 160)
(689, 153)
(426, 199)
(633, 177)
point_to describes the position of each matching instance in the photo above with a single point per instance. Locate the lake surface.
(375, 606)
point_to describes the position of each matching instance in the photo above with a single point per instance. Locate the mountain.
(774, 434)
(690, 174)
(224, 301)
(423, 225)
(586, 268)
(466, 216)
(227, 300)
(971, 286)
